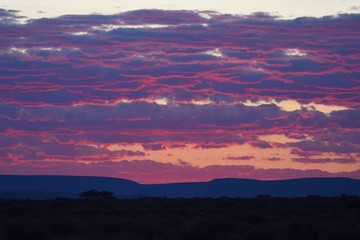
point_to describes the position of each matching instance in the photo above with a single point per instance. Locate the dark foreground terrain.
(263, 217)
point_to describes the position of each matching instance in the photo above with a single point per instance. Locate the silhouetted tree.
(95, 194)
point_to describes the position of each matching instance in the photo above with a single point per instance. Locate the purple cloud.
(349, 160)
(274, 159)
(241, 158)
(154, 147)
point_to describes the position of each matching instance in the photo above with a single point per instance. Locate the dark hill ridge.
(50, 186)
(40, 187)
(252, 188)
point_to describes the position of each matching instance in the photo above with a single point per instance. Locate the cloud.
(34, 148)
(183, 163)
(9, 17)
(273, 159)
(241, 158)
(73, 85)
(209, 146)
(154, 147)
(328, 146)
(304, 153)
(325, 160)
(260, 144)
(267, 71)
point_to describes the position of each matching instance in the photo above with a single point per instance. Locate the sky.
(180, 91)
(283, 8)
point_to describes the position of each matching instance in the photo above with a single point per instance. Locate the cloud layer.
(148, 84)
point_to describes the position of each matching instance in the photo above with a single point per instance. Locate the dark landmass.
(48, 207)
(45, 187)
(261, 218)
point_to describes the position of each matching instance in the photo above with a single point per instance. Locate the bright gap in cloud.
(294, 52)
(205, 15)
(281, 138)
(25, 51)
(79, 33)
(292, 105)
(165, 101)
(161, 101)
(16, 50)
(201, 102)
(285, 105)
(110, 27)
(215, 52)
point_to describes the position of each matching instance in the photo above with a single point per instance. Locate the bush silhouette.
(97, 195)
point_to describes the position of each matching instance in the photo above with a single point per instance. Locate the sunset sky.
(179, 91)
